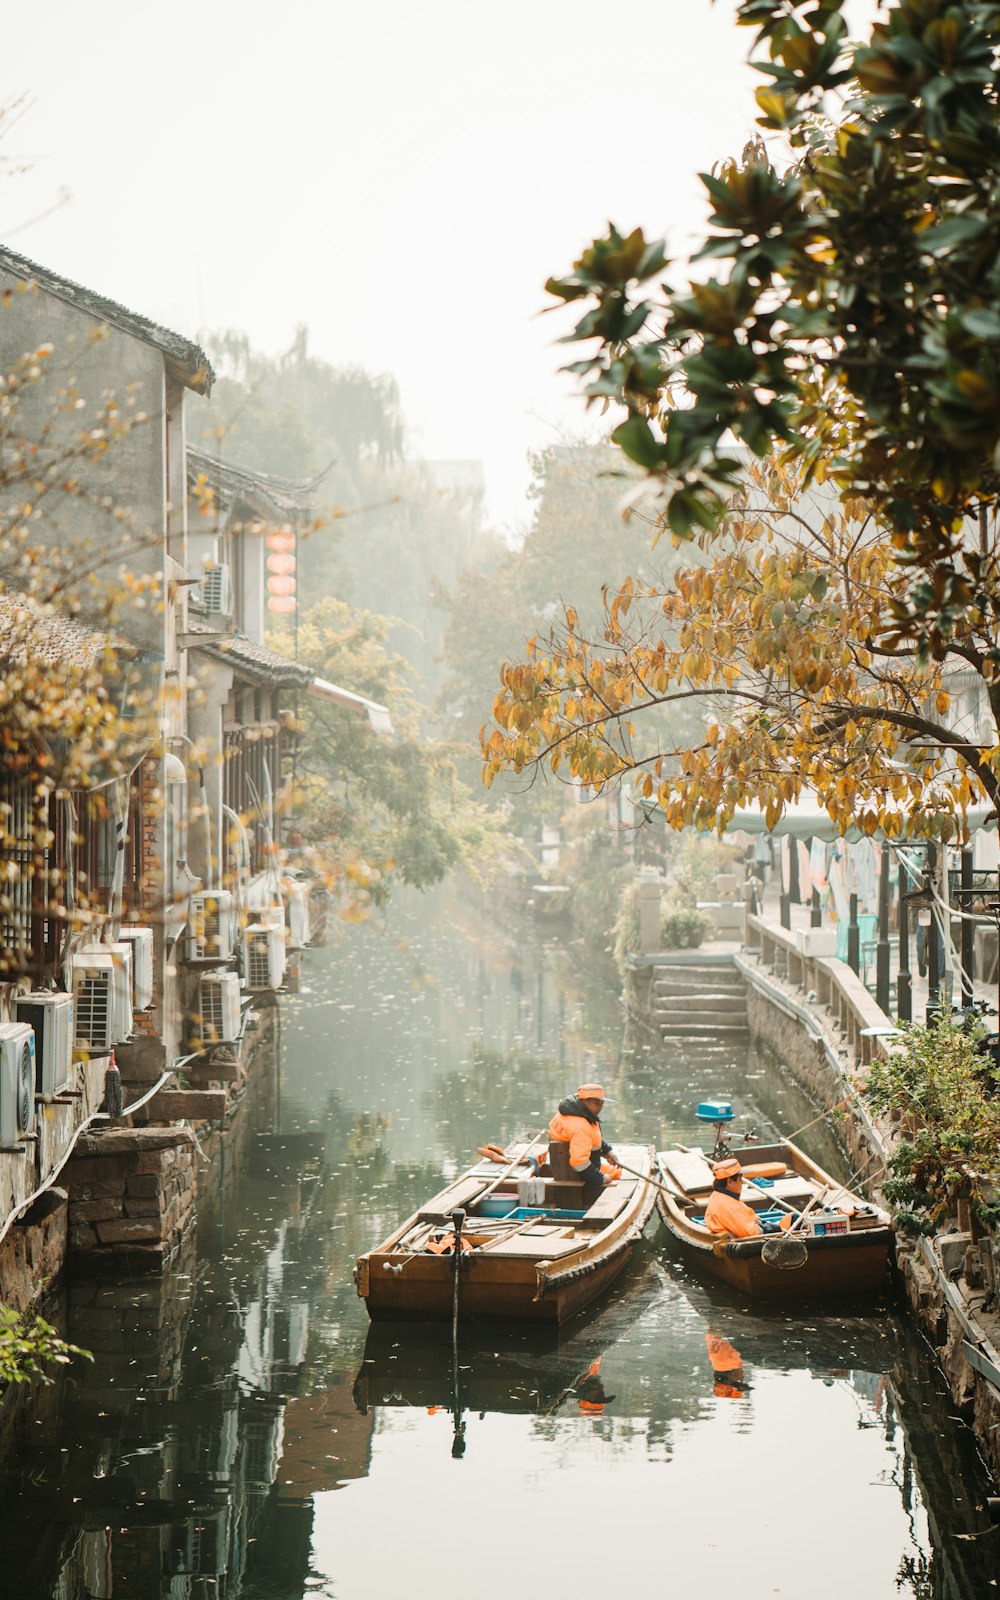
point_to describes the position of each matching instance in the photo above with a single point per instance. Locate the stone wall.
(32, 1254)
(946, 1299)
(132, 1194)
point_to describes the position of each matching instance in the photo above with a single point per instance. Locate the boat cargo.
(837, 1242)
(531, 1247)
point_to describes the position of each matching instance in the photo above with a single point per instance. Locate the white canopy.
(805, 818)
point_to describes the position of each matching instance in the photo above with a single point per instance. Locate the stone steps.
(706, 1029)
(714, 980)
(703, 1001)
(706, 1003)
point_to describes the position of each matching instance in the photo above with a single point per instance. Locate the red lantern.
(281, 539)
(283, 603)
(283, 564)
(281, 585)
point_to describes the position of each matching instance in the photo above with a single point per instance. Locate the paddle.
(509, 1168)
(646, 1177)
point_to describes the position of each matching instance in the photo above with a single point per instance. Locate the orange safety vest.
(444, 1244)
(725, 1214)
(583, 1138)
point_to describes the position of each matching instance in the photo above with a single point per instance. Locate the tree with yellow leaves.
(777, 642)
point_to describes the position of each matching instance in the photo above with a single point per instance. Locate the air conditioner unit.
(215, 591)
(297, 913)
(17, 1083)
(264, 902)
(219, 1008)
(211, 934)
(320, 916)
(102, 992)
(141, 940)
(50, 1016)
(265, 958)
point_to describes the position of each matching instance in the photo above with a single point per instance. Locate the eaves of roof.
(185, 360)
(254, 659)
(266, 494)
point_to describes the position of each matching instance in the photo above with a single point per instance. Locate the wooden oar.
(508, 1169)
(654, 1183)
(772, 1199)
(816, 1200)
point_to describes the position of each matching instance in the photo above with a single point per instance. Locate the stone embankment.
(132, 1193)
(817, 1018)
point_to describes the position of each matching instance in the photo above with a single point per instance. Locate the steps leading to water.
(692, 999)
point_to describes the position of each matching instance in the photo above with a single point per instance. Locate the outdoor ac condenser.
(17, 1083)
(102, 993)
(211, 934)
(141, 940)
(51, 1018)
(219, 1008)
(297, 913)
(215, 591)
(265, 958)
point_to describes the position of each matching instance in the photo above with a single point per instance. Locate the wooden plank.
(689, 1171)
(440, 1207)
(611, 1200)
(528, 1244)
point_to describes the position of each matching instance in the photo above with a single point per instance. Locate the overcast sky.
(400, 177)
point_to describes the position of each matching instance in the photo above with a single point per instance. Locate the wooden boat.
(532, 1249)
(847, 1240)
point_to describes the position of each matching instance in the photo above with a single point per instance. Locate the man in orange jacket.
(577, 1147)
(726, 1212)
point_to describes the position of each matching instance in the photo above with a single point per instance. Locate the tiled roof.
(30, 629)
(241, 651)
(187, 360)
(267, 495)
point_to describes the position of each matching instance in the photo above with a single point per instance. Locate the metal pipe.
(882, 949)
(968, 930)
(904, 985)
(933, 946)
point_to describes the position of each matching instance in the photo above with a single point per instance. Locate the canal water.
(243, 1432)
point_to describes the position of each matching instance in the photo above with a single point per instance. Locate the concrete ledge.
(190, 1105)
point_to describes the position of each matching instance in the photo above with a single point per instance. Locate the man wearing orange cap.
(577, 1147)
(726, 1212)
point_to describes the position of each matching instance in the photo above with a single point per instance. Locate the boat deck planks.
(440, 1207)
(688, 1168)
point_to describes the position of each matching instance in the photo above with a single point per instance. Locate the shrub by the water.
(683, 929)
(940, 1090)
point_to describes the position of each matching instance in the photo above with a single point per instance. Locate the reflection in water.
(244, 1432)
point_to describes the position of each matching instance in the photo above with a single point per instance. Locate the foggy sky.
(400, 177)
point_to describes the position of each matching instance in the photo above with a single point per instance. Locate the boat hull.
(842, 1266)
(853, 1263)
(550, 1267)
(426, 1289)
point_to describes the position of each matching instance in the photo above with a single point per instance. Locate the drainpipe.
(206, 815)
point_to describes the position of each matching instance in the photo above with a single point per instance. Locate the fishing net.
(784, 1250)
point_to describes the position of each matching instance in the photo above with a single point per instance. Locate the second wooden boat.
(845, 1240)
(532, 1249)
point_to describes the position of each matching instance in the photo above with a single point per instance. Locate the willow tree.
(842, 324)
